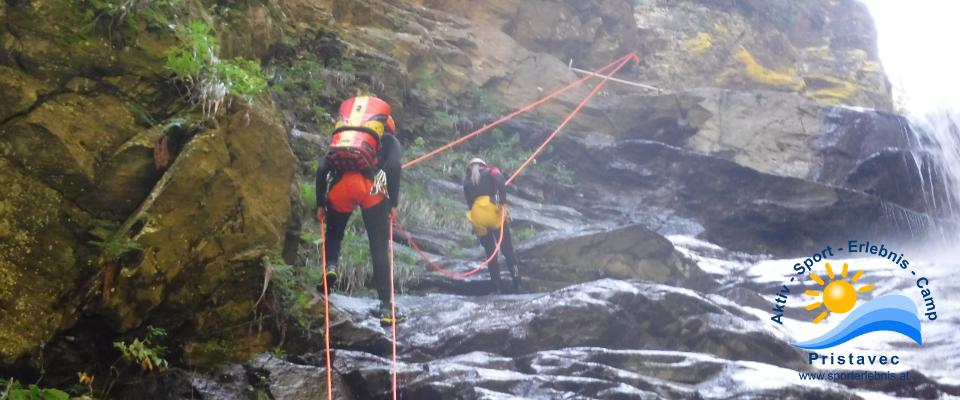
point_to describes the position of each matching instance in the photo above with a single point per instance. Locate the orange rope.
(622, 62)
(606, 78)
(522, 110)
(393, 314)
(326, 310)
(453, 274)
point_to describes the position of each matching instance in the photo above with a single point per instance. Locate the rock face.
(631, 252)
(77, 135)
(823, 50)
(737, 207)
(600, 340)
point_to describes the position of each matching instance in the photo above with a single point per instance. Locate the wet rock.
(581, 372)
(631, 252)
(591, 314)
(739, 208)
(288, 381)
(264, 376)
(19, 92)
(218, 208)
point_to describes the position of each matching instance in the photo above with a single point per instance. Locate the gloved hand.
(394, 215)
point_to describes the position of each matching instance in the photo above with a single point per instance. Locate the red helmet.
(367, 111)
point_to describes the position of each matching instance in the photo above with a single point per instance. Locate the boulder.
(631, 252)
(203, 230)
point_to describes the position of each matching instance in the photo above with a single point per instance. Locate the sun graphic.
(839, 296)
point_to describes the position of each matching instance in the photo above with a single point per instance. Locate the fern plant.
(145, 353)
(196, 62)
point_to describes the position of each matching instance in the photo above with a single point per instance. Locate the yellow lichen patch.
(720, 28)
(871, 66)
(822, 52)
(699, 43)
(763, 75)
(827, 89)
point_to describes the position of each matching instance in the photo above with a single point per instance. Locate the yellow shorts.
(484, 215)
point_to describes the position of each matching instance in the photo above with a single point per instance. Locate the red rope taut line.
(519, 111)
(622, 62)
(453, 274)
(606, 78)
(393, 314)
(326, 310)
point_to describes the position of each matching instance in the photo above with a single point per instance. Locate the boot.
(331, 278)
(387, 317)
(515, 274)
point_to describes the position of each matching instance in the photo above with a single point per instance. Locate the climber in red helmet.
(362, 169)
(485, 191)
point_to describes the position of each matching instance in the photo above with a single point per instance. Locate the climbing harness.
(380, 184)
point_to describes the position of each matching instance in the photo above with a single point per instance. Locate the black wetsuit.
(492, 183)
(376, 219)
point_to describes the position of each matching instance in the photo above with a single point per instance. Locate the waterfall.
(938, 166)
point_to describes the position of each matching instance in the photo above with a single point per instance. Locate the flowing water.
(938, 161)
(938, 357)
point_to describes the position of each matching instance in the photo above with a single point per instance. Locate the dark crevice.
(42, 98)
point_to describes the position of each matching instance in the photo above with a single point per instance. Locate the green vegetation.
(14, 390)
(484, 101)
(425, 81)
(278, 352)
(308, 195)
(420, 208)
(355, 268)
(112, 243)
(145, 353)
(196, 61)
(443, 121)
(293, 288)
(523, 234)
(560, 174)
(126, 16)
(307, 86)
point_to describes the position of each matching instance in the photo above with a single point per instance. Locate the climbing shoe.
(331, 278)
(387, 318)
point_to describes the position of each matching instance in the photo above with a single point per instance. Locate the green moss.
(308, 195)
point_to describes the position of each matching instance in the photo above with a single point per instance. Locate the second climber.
(362, 169)
(485, 191)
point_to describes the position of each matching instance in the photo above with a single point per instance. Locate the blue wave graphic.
(893, 313)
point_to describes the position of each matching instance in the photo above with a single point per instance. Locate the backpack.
(355, 142)
(354, 148)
